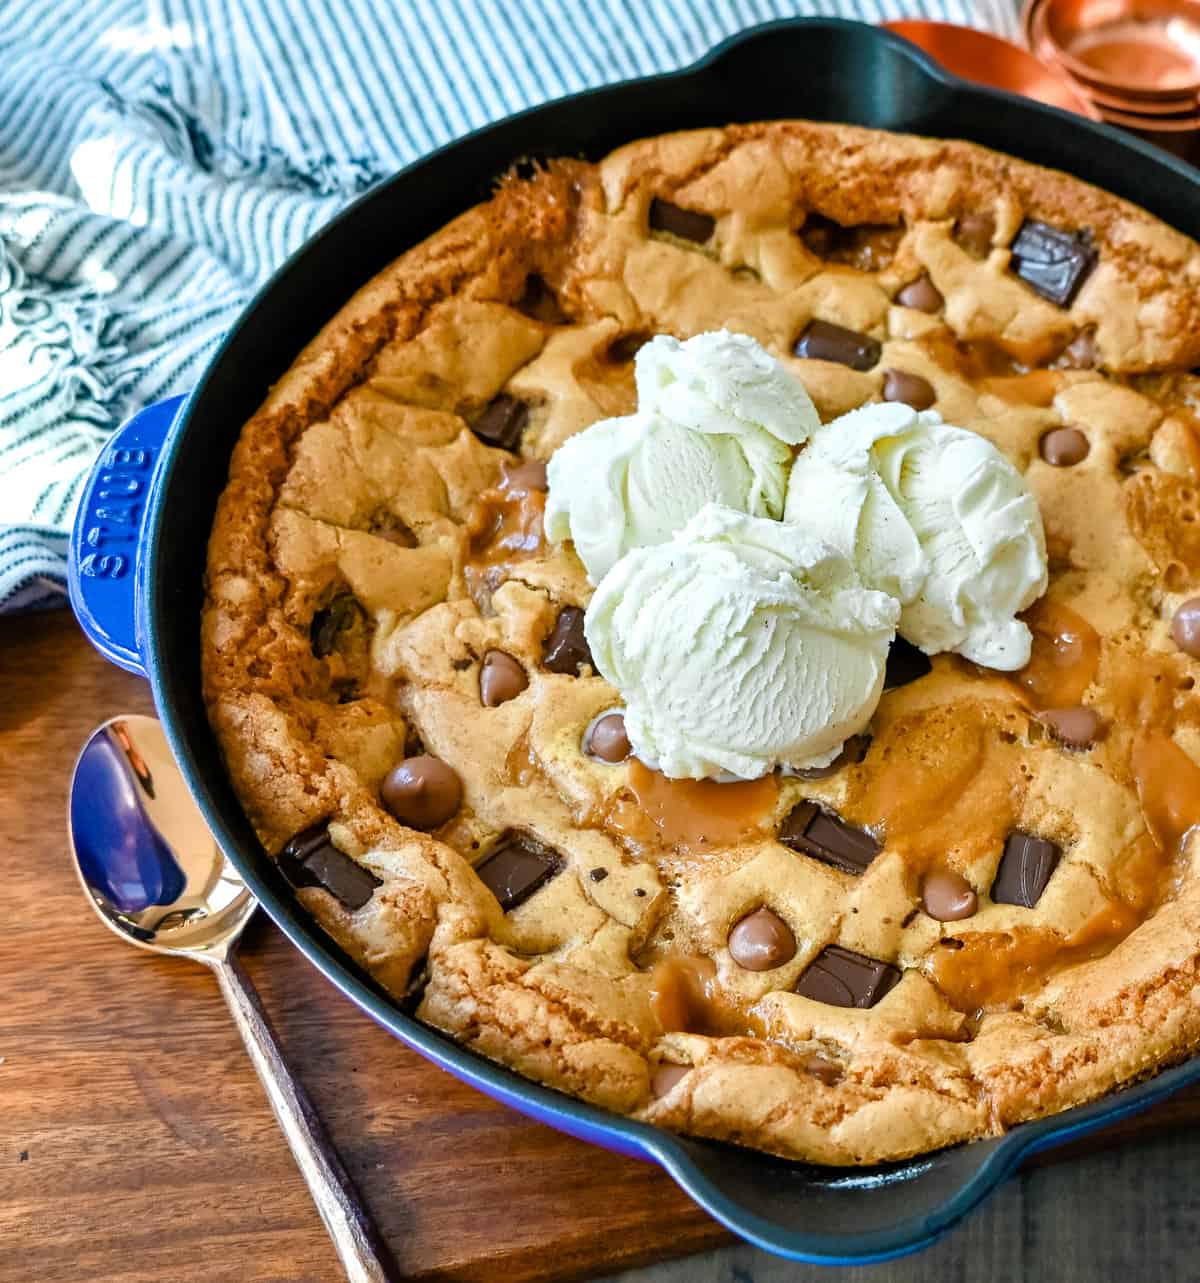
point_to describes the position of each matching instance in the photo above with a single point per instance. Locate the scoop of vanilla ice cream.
(740, 645)
(934, 515)
(716, 422)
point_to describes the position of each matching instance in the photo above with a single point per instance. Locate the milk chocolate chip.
(607, 739)
(501, 678)
(665, 1076)
(422, 792)
(911, 389)
(1064, 447)
(1185, 627)
(948, 896)
(974, 233)
(1078, 727)
(922, 295)
(762, 941)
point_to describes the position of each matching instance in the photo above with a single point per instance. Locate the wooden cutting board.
(135, 1140)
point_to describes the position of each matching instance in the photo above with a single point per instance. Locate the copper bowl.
(1137, 48)
(987, 60)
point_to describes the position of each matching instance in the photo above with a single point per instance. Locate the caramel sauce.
(942, 783)
(1168, 785)
(685, 999)
(1163, 512)
(1066, 655)
(505, 524)
(521, 764)
(1038, 387)
(691, 813)
(993, 969)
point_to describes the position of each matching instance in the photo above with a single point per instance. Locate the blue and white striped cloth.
(159, 158)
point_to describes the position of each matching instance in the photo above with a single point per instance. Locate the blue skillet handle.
(104, 560)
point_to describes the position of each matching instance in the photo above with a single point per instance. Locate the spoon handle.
(362, 1253)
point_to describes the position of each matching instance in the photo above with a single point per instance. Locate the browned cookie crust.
(369, 562)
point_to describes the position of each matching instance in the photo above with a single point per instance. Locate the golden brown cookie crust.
(368, 434)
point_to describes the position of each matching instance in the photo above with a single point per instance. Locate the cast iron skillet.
(137, 556)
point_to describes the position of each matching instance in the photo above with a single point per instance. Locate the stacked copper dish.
(1137, 62)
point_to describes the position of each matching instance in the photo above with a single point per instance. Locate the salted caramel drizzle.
(1065, 658)
(685, 998)
(505, 524)
(690, 814)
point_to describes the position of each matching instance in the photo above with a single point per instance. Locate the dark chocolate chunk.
(598, 875)
(539, 302)
(911, 389)
(626, 346)
(843, 978)
(824, 341)
(853, 752)
(566, 648)
(905, 663)
(688, 224)
(516, 867)
(1025, 868)
(502, 421)
(1185, 627)
(1052, 261)
(311, 860)
(828, 838)
(341, 613)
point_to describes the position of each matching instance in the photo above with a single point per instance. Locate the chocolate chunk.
(905, 663)
(1078, 727)
(688, 224)
(502, 421)
(911, 389)
(528, 475)
(1025, 868)
(843, 978)
(1185, 627)
(975, 232)
(1053, 262)
(501, 678)
(823, 341)
(516, 867)
(342, 613)
(665, 1076)
(1064, 447)
(922, 295)
(828, 838)
(422, 792)
(853, 752)
(948, 896)
(566, 648)
(821, 1067)
(539, 302)
(607, 739)
(869, 247)
(761, 941)
(311, 860)
(598, 875)
(626, 346)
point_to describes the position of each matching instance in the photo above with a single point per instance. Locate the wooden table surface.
(135, 1140)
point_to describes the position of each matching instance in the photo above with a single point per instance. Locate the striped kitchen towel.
(159, 158)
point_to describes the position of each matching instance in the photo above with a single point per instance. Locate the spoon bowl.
(147, 860)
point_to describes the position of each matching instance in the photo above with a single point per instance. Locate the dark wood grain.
(135, 1141)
